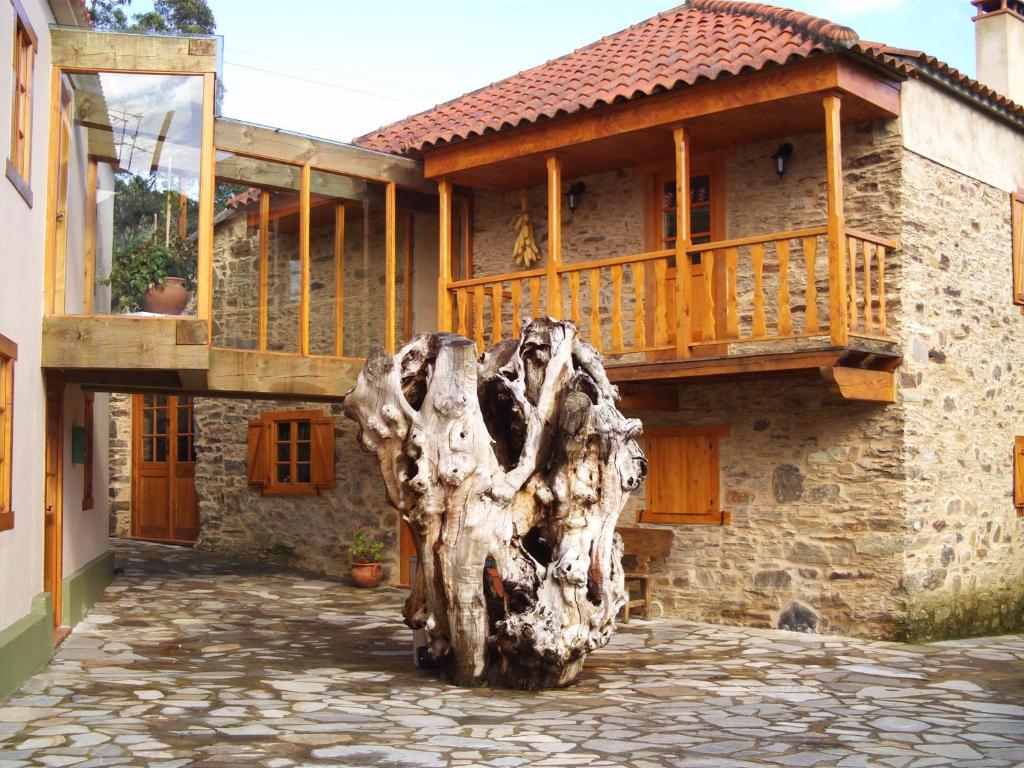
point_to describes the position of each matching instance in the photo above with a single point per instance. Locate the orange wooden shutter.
(1017, 244)
(1018, 474)
(322, 472)
(259, 453)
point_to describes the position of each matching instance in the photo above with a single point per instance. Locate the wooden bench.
(643, 544)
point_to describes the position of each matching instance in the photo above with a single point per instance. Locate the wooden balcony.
(775, 304)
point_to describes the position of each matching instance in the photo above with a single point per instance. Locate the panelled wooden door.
(406, 554)
(53, 496)
(165, 505)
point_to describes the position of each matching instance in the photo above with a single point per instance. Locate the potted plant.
(152, 275)
(366, 552)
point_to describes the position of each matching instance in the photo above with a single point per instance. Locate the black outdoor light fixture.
(575, 193)
(781, 158)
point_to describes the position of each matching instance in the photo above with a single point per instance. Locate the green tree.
(168, 17)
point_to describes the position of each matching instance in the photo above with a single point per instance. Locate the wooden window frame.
(88, 502)
(716, 515)
(263, 461)
(1017, 245)
(19, 161)
(8, 356)
(1018, 474)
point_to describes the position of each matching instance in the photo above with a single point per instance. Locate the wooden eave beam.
(79, 49)
(270, 144)
(816, 75)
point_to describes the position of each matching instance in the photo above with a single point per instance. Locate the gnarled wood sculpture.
(518, 463)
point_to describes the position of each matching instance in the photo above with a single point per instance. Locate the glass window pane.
(144, 132)
(700, 189)
(284, 473)
(304, 428)
(284, 452)
(284, 430)
(161, 449)
(161, 421)
(303, 451)
(252, 195)
(303, 473)
(700, 220)
(147, 421)
(183, 449)
(147, 449)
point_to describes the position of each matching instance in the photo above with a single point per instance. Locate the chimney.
(999, 46)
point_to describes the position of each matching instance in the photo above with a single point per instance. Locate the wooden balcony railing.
(768, 288)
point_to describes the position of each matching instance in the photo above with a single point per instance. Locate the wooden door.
(53, 496)
(406, 551)
(165, 506)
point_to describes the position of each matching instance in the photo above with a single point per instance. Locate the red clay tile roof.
(701, 40)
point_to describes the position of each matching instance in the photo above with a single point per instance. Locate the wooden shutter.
(322, 470)
(1017, 244)
(682, 483)
(259, 453)
(1018, 475)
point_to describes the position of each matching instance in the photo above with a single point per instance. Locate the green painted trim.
(84, 587)
(26, 645)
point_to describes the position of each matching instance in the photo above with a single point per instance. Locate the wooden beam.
(648, 397)
(112, 51)
(444, 255)
(554, 254)
(837, 286)
(816, 75)
(263, 295)
(204, 266)
(684, 292)
(89, 246)
(339, 280)
(304, 263)
(861, 384)
(391, 254)
(271, 144)
(123, 343)
(241, 372)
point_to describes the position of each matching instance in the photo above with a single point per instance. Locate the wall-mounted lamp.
(575, 193)
(781, 158)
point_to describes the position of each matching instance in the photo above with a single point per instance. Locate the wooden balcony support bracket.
(554, 260)
(837, 285)
(684, 326)
(876, 386)
(390, 266)
(444, 255)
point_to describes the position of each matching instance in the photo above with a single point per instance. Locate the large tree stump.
(519, 462)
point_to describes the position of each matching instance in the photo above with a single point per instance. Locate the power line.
(430, 94)
(328, 85)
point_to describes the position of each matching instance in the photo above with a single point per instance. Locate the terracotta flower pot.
(366, 574)
(169, 298)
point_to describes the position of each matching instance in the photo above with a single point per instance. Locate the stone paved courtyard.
(195, 660)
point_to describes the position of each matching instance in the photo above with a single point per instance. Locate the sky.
(340, 68)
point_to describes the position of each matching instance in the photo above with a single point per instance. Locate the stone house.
(830, 388)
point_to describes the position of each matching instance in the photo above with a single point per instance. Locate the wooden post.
(89, 280)
(837, 297)
(339, 280)
(263, 299)
(304, 260)
(684, 329)
(554, 260)
(207, 179)
(391, 224)
(444, 255)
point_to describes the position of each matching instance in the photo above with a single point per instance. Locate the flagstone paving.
(191, 659)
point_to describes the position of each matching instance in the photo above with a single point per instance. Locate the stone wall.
(310, 533)
(120, 487)
(961, 385)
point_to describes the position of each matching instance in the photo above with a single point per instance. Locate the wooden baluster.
(757, 259)
(617, 309)
(478, 317)
(574, 297)
(517, 290)
(497, 294)
(708, 321)
(462, 304)
(640, 308)
(534, 297)
(880, 252)
(869, 321)
(661, 310)
(811, 313)
(595, 308)
(785, 315)
(851, 256)
(732, 310)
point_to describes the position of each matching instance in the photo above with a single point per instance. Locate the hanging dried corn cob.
(525, 250)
